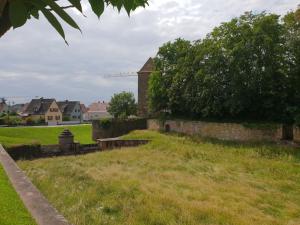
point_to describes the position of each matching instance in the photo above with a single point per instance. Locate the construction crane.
(126, 74)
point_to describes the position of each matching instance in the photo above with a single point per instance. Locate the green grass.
(12, 210)
(174, 180)
(42, 135)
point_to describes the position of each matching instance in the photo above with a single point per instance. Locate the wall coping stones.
(39, 207)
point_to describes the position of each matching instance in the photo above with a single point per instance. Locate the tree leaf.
(17, 13)
(128, 5)
(76, 4)
(54, 22)
(97, 6)
(63, 15)
(35, 13)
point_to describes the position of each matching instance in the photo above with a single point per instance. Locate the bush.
(66, 118)
(105, 123)
(29, 122)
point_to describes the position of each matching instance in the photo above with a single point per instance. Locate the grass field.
(174, 181)
(12, 210)
(43, 135)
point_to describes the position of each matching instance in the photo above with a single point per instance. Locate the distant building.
(95, 111)
(71, 110)
(83, 108)
(143, 80)
(24, 108)
(43, 109)
(17, 108)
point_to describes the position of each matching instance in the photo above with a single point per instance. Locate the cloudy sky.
(34, 60)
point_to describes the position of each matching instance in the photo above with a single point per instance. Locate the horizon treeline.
(246, 69)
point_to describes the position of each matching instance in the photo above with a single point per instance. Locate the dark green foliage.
(111, 128)
(247, 68)
(25, 151)
(122, 105)
(105, 123)
(20, 11)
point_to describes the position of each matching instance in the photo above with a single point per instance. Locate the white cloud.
(35, 61)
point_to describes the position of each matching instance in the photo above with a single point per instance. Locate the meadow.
(44, 135)
(12, 209)
(174, 180)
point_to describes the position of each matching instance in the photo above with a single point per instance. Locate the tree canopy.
(122, 105)
(15, 13)
(248, 68)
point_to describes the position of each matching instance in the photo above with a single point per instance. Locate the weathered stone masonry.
(222, 131)
(143, 79)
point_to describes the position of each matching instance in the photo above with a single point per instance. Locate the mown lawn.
(174, 181)
(42, 135)
(12, 210)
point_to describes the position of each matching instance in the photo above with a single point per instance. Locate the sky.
(35, 61)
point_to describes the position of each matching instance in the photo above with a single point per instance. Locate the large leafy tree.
(122, 105)
(247, 68)
(15, 13)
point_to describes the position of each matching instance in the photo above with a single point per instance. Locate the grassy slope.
(12, 210)
(43, 135)
(174, 180)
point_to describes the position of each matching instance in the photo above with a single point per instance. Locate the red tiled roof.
(98, 107)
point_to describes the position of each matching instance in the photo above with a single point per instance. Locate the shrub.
(105, 123)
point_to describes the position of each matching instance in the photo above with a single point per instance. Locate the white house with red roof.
(96, 111)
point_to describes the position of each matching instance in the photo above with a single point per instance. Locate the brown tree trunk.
(5, 24)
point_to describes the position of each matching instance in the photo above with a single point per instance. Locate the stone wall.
(115, 128)
(297, 134)
(222, 131)
(113, 143)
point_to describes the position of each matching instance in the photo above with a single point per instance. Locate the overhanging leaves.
(21, 10)
(54, 22)
(97, 7)
(17, 13)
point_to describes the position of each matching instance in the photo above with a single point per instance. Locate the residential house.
(96, 111)
(71, 110)
(84, 109)
(17, 108)
(43, 109)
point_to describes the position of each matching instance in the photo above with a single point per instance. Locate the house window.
(57, 117)
(53, 110)
(50, 117)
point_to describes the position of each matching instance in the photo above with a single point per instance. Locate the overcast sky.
(34, 60)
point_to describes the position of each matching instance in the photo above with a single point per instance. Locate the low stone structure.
(66, 142)
(112, 143)
(222, 131)
(115, 128)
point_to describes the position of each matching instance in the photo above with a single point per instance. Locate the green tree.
(15, 13)
(247, 68)
(122, 105)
